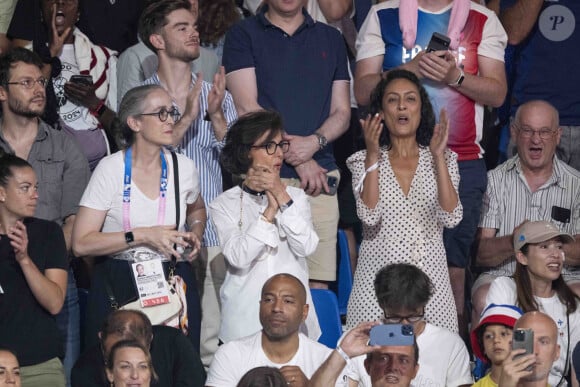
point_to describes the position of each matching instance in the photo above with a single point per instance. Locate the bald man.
(532, 369)
(533, 185)
(279, 344)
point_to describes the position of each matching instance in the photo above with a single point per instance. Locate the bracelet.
(342, 353)
(99, 110)
(359, 186)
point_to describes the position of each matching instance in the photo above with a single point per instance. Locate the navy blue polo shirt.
(294, 74)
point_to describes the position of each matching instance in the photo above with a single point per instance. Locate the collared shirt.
(509, 201)
(295, 74)
(201, 145)
(61, 169)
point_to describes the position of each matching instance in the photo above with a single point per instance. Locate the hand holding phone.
(82, 79)
(523, 339)
(438, 42)
(332, 182)
(392, 335)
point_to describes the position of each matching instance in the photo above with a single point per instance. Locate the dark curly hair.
(427, 123)
(215, 19)
(243, 134)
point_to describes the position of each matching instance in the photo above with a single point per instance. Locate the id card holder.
(151, 284)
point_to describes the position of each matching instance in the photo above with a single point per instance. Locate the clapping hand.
(438, 143)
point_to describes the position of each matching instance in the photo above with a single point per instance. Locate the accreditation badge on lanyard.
(149, 277)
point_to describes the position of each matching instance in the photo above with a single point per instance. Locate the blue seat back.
(326, 307)
(344, 278)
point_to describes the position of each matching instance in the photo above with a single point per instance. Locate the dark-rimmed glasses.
(28, 83)
(163, 114)
(412, 318)
(271, 146)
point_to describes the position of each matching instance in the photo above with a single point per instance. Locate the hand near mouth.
(372, 128)
(57, 40)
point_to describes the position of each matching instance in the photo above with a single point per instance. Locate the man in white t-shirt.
(402, 291)
(279, 344)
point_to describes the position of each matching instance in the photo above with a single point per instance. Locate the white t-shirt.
(232, 360)
(443, 361)
(503, 291)
(105, 193)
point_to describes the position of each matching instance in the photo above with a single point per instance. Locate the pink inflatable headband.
(408, 10)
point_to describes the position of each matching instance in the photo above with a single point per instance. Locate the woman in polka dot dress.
(405, 184)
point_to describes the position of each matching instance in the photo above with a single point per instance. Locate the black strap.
(177, 212)
(108, 288)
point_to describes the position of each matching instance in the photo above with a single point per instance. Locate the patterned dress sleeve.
(356, 164)
(451, 219)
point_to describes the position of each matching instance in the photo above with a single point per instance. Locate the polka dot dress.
(404, 229)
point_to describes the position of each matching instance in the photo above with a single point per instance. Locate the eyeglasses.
(163, 114)
(29, 83)
(544, 133)
(271, 146)
(413, 318)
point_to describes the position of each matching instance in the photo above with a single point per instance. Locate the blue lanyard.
(127, 191)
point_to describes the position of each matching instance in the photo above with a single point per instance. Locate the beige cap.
(536, 232)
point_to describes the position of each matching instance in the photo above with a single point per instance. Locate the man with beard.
(279, 344)
(168, 28)
(61, 168)
(532, 369)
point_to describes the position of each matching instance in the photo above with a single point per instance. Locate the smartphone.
(332, 182)
(392, 334)
(561, 214)
(523, 338)
(438, 42)
(82, 79)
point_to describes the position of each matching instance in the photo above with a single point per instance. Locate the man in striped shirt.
(168, 28)
(533, 185)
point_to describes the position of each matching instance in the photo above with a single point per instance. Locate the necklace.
(241, 207)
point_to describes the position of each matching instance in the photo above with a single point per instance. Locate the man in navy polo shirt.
(282, 60)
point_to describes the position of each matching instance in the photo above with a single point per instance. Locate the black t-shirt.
(25, 326)
(175, 361)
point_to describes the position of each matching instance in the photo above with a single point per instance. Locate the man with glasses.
(61, 168)
(168, 28)
(533, 185)
(402, 291)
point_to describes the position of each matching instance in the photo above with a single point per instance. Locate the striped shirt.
(201, 145)
(508, 201)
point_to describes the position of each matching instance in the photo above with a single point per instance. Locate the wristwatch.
(129, 238)
(459, 80)
(284, 207)
(322, 141)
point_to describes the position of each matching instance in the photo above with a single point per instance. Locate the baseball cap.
(494, 314)
(536, 232)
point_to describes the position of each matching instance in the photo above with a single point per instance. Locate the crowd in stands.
(173, 175)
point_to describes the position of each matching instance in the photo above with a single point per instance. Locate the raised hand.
(217, 93)
(192, 102)
(372, 127)
(19, 240)
(438, 142)
(56, 41)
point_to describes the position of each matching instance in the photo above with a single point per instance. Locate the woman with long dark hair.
(405, 186)
(537, 285)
